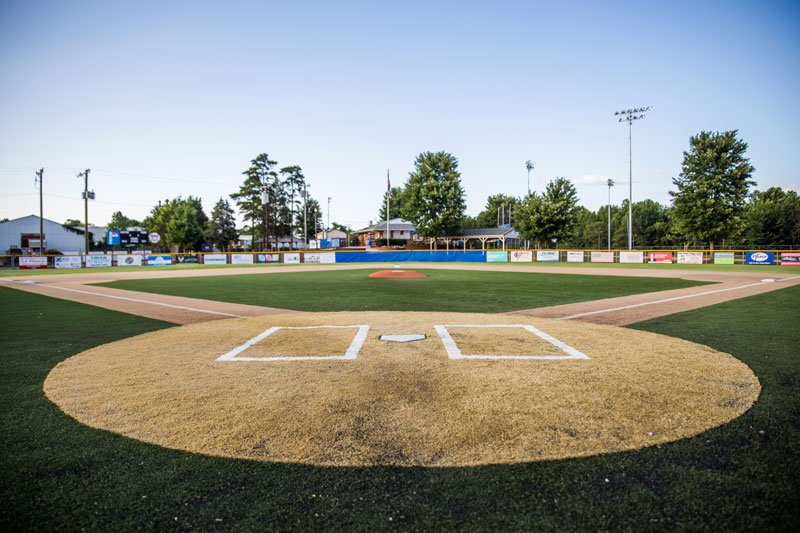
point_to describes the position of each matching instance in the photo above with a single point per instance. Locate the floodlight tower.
(610, 183)
(629, 115)
(529, 165)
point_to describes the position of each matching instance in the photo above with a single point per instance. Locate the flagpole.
(388, 194)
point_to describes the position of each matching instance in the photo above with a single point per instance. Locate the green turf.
(443, 290)
(60, 475)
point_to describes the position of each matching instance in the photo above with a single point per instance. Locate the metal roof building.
(23, 233)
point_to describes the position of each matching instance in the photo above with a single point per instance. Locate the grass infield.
(460, 291)
(58, 474)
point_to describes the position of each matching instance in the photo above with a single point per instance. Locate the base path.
(613, 311)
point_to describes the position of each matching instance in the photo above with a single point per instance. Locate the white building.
(23, 234)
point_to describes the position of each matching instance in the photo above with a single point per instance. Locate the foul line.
(671, 299)
(132, 299)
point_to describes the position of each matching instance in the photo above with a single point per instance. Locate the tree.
(221, 228)
(183, 228)
(772, 217)
(435, 198)
(260, 184)
(73, 223)
(499, 210)
(295, 182)
(712, 187)
(121, 222)
(549, 216)
(160, 216)
(397, 204)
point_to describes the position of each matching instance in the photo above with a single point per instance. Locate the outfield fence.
(645, 257)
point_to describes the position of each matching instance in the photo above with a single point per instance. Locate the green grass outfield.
(466, 291)
(61, 475)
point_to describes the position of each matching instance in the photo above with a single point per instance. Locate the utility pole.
(39, 180)
(388, 194)
(629, 115)
(305, 214)
(85, 175)
(610, 184)
(328, 227)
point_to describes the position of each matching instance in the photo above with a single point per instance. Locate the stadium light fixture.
(529, 165)
(629, 115)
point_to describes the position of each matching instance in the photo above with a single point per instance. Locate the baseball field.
(489, 398)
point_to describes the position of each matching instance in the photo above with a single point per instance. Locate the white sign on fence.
(547, 255)
(241, 259)
(521, 256)
(311, 257)
(93, 261)
(129, 260)
(602, 257)
(291, 258)
(214, 259)
(690, 258)
(327, 258)
(631, 257)
(574, 257)
(159, 260)
(68, 261)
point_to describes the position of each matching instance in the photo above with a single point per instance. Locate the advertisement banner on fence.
(659, 257)
(690, 258)
(602, 257)
(723, 258)
(521, 257)
(214, 259)
(291, 259)
(760, 258)
(241, 259)
(268, 258)
(575, 257)
(631, 257)
(129, 260)
(159, 260)
(97, 261)
(790, 258)
(186, 259)
(32, 262)
(68, 261)
(311, 257)
(327, 258)
(547, 256)
(496, 256)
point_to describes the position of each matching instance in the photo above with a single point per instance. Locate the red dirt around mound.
(397, 274)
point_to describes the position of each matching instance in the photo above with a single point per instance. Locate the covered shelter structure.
(503, 237)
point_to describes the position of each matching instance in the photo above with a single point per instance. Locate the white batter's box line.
(350, 354)
(454, 352)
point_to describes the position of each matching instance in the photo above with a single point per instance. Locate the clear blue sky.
(168, 98)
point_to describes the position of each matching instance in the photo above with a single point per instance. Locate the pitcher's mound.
(397, 274)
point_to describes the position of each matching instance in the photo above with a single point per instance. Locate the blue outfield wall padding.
(438, 256)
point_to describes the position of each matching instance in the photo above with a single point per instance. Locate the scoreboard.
(127, 238)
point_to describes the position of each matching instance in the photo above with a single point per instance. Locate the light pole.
(315, 227)
(629, 115)
(328, 225)
(86, 196)
(610, 184)
(529, 165)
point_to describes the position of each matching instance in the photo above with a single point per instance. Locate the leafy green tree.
(183, 228)
(435, 198)
(160, 216)
(712, 187)
(121, 222)
(549, 216)
(73, 223)
(772, 217)
(294, 182)
(499, 210)
(261, 183)
(397, 204)
(221, 228)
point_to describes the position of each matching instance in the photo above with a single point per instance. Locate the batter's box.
(303, 341)
(557, 349)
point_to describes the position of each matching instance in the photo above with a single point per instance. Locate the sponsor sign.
(268, 258)
(547, 255)
(291, 258)
(521, 256)
(690, 258)
(659, 257)
(496, 256)
(241, 259)
(311, 257)
(185, 259)
(327, 258)
(96, 261)
(760, 258)
(159, 260)
(154, 238)
(32, 262)
(574, 257)
(214, 259)
(68, 261)
(723, 258)
(113, 238)
(790, 258)
(129, 260)
(631, 257)
(602, 257)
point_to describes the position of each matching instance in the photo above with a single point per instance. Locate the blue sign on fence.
(113, 237)
(760, 258)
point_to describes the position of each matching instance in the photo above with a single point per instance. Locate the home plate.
(403, 338)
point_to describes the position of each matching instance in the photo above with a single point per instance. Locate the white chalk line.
(579, 315)
(351, 353)
(137, 300)
(454, 352)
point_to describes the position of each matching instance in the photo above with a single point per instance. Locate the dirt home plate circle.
(441, 389)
